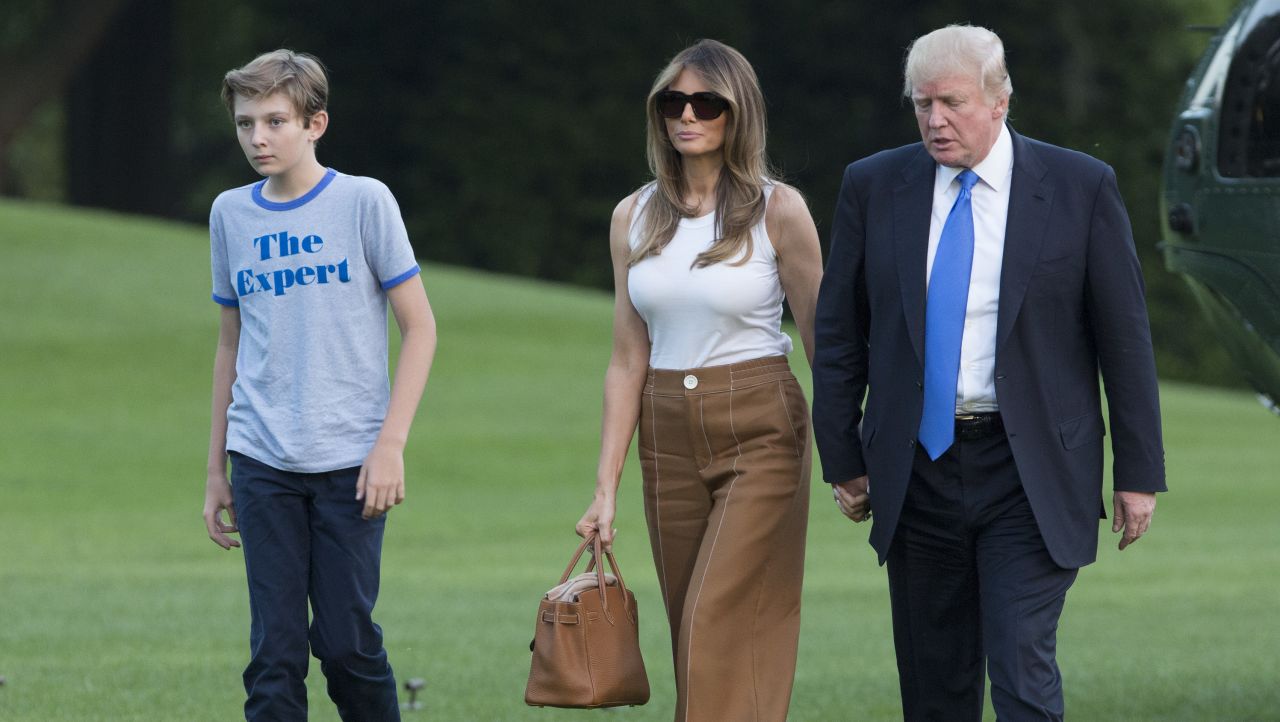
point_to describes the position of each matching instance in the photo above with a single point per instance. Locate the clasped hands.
(854, 498)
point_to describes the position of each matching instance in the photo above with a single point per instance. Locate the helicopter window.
(1249, 132)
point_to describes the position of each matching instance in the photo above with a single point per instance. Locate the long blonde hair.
(740, 199)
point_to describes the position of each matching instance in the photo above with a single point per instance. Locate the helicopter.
(1220, 200)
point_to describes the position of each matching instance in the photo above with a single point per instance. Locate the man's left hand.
(854, 498)
(1132, 511)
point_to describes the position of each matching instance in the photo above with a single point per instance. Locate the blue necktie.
(944, 321)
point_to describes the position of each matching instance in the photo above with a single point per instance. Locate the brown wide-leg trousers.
(725, 456)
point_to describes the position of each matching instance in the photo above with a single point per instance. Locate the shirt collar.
(994, 170)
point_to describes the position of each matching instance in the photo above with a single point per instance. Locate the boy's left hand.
(381, 481)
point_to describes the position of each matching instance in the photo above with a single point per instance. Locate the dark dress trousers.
(1071, 306)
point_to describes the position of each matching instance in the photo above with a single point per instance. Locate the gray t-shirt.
(310, 277)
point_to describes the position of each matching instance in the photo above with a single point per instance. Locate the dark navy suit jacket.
(1071, 306)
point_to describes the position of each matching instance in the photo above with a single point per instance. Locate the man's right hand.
(854, 499)
(217, 498)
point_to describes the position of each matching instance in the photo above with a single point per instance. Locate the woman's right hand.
(598, 519)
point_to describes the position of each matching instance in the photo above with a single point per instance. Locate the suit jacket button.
(911, 443)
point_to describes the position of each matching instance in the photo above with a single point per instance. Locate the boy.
(304, 263)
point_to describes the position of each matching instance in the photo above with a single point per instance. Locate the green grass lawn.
(114, 604)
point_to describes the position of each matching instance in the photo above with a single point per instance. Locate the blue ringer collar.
(298, 202)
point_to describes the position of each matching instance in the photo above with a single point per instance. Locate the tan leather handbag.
(586, 645)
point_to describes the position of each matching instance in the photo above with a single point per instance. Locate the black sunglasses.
(706, 105)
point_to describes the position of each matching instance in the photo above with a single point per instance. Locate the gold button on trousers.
(724, 451)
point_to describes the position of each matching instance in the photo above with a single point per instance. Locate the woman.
(702, 257)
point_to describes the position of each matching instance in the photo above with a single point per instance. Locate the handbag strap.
(613, 564)
(593, 542)
(626, 598)
(574, 562)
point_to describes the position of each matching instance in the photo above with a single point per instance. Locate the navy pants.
(304, 539)
(972, 586)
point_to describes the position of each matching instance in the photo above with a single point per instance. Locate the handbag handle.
(593, 542)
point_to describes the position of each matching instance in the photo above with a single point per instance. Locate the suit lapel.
(1030, 198)
(912, 206)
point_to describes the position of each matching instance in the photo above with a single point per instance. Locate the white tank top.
(711, 316)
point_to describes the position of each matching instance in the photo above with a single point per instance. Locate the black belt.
(978, 426)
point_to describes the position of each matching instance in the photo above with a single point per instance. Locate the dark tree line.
(508, 130)
(42, 44)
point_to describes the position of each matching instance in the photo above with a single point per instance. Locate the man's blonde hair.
(958, 49)
(301, 77)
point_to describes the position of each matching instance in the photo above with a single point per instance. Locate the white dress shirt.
(975, 387)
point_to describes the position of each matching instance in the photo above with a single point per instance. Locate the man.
(977, 283)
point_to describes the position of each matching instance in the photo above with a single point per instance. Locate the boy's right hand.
(217, 498)
(598, 519)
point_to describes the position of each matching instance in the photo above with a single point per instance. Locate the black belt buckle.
(970, 427)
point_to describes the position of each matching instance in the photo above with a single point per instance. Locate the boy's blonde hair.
(301, 77)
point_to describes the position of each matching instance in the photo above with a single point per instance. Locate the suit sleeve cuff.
(841, 474)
